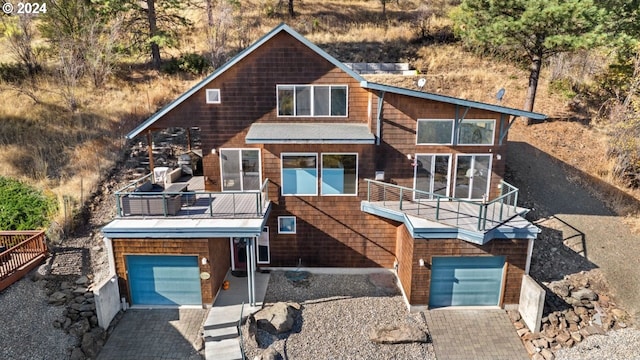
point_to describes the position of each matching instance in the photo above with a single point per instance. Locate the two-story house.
(306, 163)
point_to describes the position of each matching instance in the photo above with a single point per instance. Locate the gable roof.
(241, 55)
(364, 83)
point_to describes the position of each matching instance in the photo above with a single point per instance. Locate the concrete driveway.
(156, 334)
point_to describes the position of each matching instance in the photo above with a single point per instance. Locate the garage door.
(466, 281)
(164, 280)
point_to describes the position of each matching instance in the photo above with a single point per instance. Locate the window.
(286, 224)
(432, 132)
(476, 132)
(240, 169)
(339, 174)
(299, 174)
(312, 100)
(213, 96)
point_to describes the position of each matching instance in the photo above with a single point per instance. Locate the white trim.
(449, 171)
(268, 247)
(312, 103)
(240, 150)
(232, 252)
(282, 155)
(493, 132)
(215, 93)
(322, 168)
(295, 225)
(527, 266)
(473, 165)
(453, 129)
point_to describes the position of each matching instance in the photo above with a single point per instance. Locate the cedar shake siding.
(215, 250)
(415, 279)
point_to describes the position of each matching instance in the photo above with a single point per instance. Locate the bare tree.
(70, 70)
(19, 31)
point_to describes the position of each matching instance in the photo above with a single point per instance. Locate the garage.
(466, 281)
(164, 279)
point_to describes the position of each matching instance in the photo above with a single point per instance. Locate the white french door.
(240, 169)
(431, 174)
(473, 174)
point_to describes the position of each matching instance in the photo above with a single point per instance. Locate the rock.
(77, 354)
(89, 345)
(80, 290)
(563, 337)
(400, 334)
(82, 280)
(531, 349)
(547, 354)
(87, 314)
(540, 343)
(561, 289)
(57, 298)
(522, 332)
(553, 319)
(584, 294)
(80, 328)
(576, 336)
(42, 271)
(269, 353)
(537, 356)
(253, 331)
(87, 307)
(571, 316)
(277, 319)
(618, 313)
(518, 325)
(514, 315)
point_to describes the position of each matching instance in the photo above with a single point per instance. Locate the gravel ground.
(338, 313)
(27, 324)
(616, 345)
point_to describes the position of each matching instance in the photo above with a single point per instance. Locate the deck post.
(118, 205)
(401, 196)
(368, 191)
(210, 206)
(438, 208)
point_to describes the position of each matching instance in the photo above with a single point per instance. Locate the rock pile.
(268, 323)
(575, 311)
(79, 318)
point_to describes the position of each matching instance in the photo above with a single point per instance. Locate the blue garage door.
(466, 281)
(164, 280)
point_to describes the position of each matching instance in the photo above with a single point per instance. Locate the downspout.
(379, 117)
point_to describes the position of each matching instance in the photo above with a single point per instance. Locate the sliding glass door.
(240, 169)
(472, 176)
(431, 175)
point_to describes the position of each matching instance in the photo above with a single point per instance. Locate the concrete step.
(218, 334)
(228, 349)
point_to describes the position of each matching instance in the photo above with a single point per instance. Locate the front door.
(472, 177)
(431, 175)
(239, 253)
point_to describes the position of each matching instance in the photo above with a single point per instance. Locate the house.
(306, 163)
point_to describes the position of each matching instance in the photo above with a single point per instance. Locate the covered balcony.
(429, 215)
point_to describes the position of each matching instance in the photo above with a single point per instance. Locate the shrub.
(190, 63)
(23, 207)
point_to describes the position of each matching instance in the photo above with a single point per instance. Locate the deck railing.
(17, 250)
(182, 203)
(423, 203)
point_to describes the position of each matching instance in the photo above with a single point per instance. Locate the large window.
(312, 100)
(299, 174)
(476, 132)
(432, 132)
(339, 174)
(240, 169)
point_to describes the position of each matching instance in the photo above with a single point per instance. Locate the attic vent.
(213, 96)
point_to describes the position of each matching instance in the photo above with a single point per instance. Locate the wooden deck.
(24, 251)
(198, 204)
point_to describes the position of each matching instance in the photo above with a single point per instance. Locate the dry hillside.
(68, 150)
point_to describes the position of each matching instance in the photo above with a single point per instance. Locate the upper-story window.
(312, 100)
(442, 132)
(213, 96)
(476, 132)
(435, 132)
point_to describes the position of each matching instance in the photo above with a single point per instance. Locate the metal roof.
(452, 100)
(309, 133)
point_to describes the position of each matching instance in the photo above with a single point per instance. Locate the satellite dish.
(500, 94)
(421, 83)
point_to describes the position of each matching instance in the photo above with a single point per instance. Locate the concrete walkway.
(479, 334)
(220, 328)
(156, 334)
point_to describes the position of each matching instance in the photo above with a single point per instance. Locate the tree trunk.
(209, 4)
(153, 31)
(534, 76)
(291, 12)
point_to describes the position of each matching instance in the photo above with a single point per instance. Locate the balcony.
(433, 215)
(189, 200)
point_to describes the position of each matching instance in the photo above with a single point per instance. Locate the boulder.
(400, 334)
(77, 354)
(584, 294)
(82, 280)
(547, 354)
(57, 298)
(89, 345)
(252, 325)
(277, 319)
